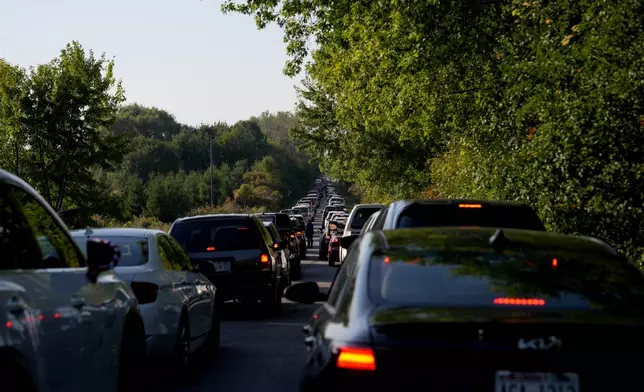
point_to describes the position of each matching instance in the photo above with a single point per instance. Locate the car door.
(57, 284)
(199, 292)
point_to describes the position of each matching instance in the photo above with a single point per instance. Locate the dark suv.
(237, 254)
(287, 234)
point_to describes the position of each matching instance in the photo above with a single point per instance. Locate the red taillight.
(520, 301)
(145, 292)
(263, 259)
(292, 236)
(242, 228)
(299, 233)
(356, 359)
(210, 249)
(555, 263)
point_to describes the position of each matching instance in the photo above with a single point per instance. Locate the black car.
(475, 309)
(300, 232)
(403, 214)
(236, 253)
(287, 233)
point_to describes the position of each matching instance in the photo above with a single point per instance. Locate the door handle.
(14, 307)
(78, 302)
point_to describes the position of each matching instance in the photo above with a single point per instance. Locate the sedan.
(475, 309)
(177, 303)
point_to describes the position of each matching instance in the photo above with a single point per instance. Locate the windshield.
(361, 216)
(134, 250)
(221, 234)
(436, 215)
(484, 278)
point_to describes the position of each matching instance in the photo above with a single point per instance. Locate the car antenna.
(499, 240)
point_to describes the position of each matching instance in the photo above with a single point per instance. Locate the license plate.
(222, 266)
(507, 381)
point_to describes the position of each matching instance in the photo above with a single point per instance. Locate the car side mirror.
(305, 293)
(346, 242)
(101, 256)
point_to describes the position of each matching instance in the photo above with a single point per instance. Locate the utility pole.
(212, 198)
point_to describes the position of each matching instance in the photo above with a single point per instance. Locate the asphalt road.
(259, 353)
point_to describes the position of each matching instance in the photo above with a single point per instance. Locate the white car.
(357, 219)
(68, 322)
(177, 303)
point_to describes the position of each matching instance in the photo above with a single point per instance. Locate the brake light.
(242, 228)
(470, 206)
(292, 236)
(356, 359)
(276, 245)
(145, 292)
(210, 249)
(299, 233)
(555, 263)
(263, 259)
(520, 301)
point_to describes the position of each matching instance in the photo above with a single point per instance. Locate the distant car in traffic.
(487, 309)
(177, 302)
(236, 253)
(68, 322)
(356, 220)
(287, 233)
(283, 256)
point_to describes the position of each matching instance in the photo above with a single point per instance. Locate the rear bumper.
(242, 286)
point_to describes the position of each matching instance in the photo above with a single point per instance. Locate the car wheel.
(182, 353)
(132, 354)
(16, 377)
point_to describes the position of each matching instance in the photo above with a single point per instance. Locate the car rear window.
(469, 277)
(437, 215)
(361, 216)
(221, 234)
(134, 250)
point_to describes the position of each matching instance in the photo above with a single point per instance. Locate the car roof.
(458, 201)
(481, 237)
(116, 232)
(212, 216)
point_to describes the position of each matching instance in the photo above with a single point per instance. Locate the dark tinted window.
(436, 215)
(283, 222)
(361, 216)
(465, 276)
(271, 231)
(56, 247)
(134, 250)
(17, 247)
(222, 234)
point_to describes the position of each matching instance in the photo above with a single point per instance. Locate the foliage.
(535, 101)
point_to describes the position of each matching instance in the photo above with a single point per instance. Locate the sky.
(183, 56)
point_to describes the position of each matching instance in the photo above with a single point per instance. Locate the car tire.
(16, 377)
(132, 354)
(182, 354)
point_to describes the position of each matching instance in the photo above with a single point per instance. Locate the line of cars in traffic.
(471, 295)
(83, 310)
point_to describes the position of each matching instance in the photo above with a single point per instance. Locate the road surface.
(259, 354)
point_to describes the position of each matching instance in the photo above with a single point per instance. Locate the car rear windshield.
(134, 250)
(361, 216)
(437, 215)
(456, 277)
(221, 234)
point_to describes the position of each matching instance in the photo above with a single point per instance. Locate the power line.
(18, 49)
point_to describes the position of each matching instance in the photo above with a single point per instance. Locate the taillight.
(264, 259)
(470, 206)
(210, 249)
(356, 359)
(145, 292)
(299, 233)
(520, 301)
(292, 235)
